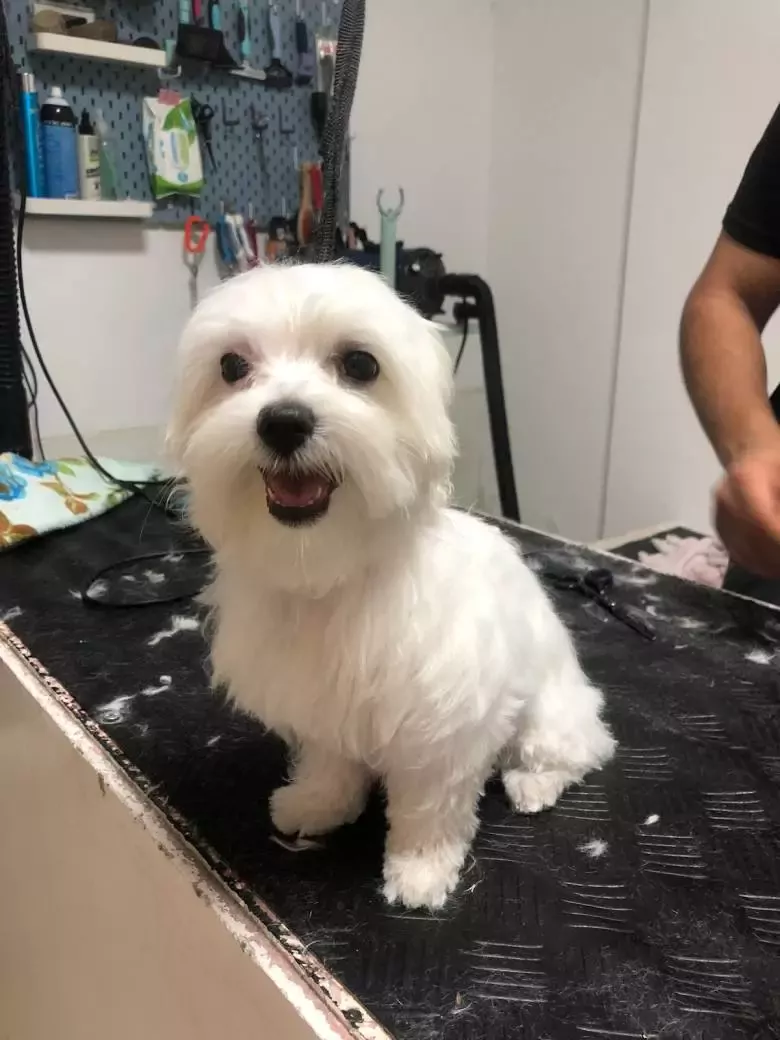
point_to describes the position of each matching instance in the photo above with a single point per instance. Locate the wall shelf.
(99, 50)
(93, 76)
(127, 209)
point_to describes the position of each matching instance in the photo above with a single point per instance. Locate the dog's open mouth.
(298, 498)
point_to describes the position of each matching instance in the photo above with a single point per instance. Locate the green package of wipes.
(172, 148)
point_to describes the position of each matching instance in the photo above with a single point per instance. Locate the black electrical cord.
(30, 379)
(32, 409)
(462, 347)
(90, 599)
(134, 487)
(31, 376)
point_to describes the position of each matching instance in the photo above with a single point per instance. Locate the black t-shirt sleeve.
(753, 217)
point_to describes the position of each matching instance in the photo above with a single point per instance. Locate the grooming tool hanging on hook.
(259, 124)
(252, 234)
(225, 241)
(247, 70)
(245, 258)
(203, 115)
(244, 46)
(277, 75)
(196, 233)
(388, 236)
(304, 66)
(228, 121)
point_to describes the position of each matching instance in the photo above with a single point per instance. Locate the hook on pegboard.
(226, 120)
(167, 74)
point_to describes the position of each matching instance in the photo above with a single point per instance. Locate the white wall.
(564, 97)
(422, 120)
(108, 300)
(711, 83)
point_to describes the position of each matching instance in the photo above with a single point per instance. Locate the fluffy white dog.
(380, 633)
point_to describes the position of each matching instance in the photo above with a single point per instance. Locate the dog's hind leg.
(561, 738)
(325, 792)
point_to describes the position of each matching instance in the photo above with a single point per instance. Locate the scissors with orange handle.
(196, 233)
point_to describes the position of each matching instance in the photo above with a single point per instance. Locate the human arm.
(721, 352)
(724, 364)
(725, 372)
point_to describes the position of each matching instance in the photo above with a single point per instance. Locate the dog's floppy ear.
(443, 428)
(194, 376)
(431, 391)
(178, 424)
(443, 361)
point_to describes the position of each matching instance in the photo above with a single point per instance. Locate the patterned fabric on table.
(38, 497)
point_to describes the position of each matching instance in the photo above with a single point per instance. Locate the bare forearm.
(725, 372)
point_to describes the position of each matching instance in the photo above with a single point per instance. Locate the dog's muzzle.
(294, 495)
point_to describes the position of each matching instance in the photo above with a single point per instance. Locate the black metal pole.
(14, 418)
(472, 287)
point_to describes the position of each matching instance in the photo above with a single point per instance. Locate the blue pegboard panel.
(119, 90)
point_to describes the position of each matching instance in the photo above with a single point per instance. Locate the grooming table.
(148, 896)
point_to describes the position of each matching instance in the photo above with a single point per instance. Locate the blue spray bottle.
(60, 153)
(31, 126)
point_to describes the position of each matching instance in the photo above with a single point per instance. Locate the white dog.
(380, 633)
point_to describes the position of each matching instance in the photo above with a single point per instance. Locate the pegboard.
(119, 90)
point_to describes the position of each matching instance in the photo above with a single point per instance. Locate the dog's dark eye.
(359, 366)
(233, 367)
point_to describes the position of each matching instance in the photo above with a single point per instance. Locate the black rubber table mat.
(646, 904)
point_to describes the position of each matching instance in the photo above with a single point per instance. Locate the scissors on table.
(203, 115)
(196, 233)
(597, 585)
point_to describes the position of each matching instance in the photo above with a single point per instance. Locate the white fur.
(394, 638)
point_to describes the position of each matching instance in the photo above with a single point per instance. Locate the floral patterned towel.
(38, 497)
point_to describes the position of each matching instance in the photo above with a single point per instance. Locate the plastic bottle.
(109, 176)
(58, 137)
(31, 122)
(89, 159)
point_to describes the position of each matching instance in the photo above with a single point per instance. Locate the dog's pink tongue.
(296, 492)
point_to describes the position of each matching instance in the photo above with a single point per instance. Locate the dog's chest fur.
(336, 670)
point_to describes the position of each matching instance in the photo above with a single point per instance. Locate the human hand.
(747, 511)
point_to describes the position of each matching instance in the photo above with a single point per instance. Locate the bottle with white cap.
(89, 159)
(60, 153)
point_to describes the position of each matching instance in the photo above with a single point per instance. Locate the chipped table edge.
(327, 1007)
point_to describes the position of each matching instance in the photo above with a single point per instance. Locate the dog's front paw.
(302, 808)
(533, 792)
(424, 878)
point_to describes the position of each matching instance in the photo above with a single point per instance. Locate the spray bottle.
(110, 186)
(58, 136)
(89, 159)
(31, 124)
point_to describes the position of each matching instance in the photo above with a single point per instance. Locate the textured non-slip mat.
(645, 905)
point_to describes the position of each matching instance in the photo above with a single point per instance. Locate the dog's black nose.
(285, 427)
